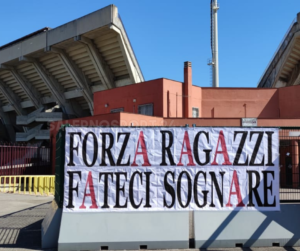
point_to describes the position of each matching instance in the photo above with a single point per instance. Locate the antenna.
(214, 63)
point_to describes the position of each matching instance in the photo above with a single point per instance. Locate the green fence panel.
(59, 166)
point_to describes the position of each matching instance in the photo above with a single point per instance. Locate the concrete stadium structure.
(284, 68)
(51, 74)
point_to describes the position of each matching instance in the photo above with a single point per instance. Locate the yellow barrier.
(27, 184)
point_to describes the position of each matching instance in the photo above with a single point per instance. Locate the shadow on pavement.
(22, 229)
(252, 249)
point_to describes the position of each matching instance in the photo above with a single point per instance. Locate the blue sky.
(166, 33)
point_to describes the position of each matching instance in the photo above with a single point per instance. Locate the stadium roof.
(64, 66)
(284, 68)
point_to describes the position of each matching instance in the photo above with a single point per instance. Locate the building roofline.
(283, 45)
(25, 37)
(238, 88)
(46, 38)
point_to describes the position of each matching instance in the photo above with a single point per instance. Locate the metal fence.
(28, 184)
(289, 164)
(33, 160)
(24, 160)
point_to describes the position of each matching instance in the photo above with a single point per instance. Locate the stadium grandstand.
(51, 74)
(284, 67)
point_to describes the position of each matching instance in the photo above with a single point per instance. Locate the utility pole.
(214, 43)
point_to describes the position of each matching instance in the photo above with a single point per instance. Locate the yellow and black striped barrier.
(28, 184)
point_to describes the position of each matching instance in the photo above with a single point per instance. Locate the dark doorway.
(289, 171)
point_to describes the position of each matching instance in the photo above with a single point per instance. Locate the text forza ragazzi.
(204, 186)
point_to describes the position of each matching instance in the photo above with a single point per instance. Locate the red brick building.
(164, 102)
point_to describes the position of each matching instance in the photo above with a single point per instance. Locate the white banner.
(169, 168)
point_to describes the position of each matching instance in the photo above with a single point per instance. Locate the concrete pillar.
(187, 90)
(295, 159)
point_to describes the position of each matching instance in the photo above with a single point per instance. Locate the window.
(195, 112)
(117, 110)
(146, 109)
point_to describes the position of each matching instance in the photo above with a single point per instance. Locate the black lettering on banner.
(107, 150)
(254, 189)
(169, 189)
(120, 189)
(266, 188)
(215, 183)
(71, 188)
(147, 189)
(240, 149)
(125, 142)
(189, 190)
(167, 149)
(205, 192)
(131, 195)
(256, 148)
(72, 148)
(84, 149)
(270, 149)
(106, 175)
(196, 151)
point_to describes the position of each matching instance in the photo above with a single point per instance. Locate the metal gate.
(289, 164)
(24, 160)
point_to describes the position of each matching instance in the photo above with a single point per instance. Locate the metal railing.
(22, 160)
(28, 184)
(289, 149)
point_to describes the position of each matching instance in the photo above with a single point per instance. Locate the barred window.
(117, 110)
(146, 109)
(195, 112)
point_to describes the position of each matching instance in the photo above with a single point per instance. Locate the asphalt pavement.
(21, 217)
(20, 221)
